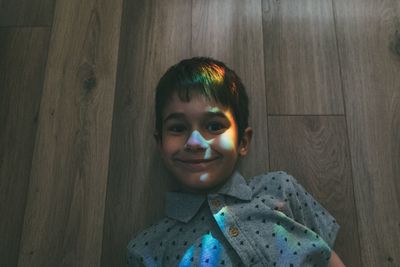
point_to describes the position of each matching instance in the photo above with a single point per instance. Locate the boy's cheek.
(226, 140)
(172, 143)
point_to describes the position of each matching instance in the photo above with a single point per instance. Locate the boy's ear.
(157, 137)
(245, 142)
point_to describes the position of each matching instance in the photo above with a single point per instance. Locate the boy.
(217, 218)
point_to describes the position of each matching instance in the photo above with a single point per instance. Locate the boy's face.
(199, 142)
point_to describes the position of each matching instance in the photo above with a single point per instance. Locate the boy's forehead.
(197, 104)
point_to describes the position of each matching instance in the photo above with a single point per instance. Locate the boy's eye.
(177, 128)
(215, 126)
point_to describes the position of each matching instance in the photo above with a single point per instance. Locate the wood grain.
(154, 36)
(314, 150)
(231, 31)
(23, 54)
(370, 71)
(64, 214)
(300, 56)
(80, 174)
(26, 13)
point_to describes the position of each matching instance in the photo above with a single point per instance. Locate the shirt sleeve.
(134, 263)
(133, 260)
(307, 211)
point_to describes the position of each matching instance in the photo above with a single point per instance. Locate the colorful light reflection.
(210, 250)
(288, 246)
(209, 75)
(186, 259)
(203, 177)
(220, 218)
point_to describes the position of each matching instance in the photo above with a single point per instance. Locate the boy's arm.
(133, 258)
(335, 261)
(134, 263)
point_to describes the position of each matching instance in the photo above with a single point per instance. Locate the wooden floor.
(79, 173)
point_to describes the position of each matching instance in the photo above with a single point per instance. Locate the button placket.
(239, 242)
(229, 227)
(215, 203)
(233, 231)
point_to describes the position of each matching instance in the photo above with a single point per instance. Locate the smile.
(197, 164)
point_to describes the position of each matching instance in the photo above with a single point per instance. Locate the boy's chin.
(200, 184)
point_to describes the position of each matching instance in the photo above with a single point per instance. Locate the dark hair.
(209, 77)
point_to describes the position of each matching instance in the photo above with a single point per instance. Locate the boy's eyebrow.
(178, 115)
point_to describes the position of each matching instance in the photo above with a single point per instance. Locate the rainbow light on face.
(203, 177)
(225, 140)
(214, 110)
(229, 137)
(197, 139)
(207, 154)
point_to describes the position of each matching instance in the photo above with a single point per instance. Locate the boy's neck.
(206, 191)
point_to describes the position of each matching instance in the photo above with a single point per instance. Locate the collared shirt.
(270, 221)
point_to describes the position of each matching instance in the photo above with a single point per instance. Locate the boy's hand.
(335, 261)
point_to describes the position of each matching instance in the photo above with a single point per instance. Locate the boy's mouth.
(196, 164)
(196, 160)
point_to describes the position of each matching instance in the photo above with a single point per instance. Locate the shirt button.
(233, 231)
(215, 202)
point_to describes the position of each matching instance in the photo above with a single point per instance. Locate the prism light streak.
(220, 218)
(197, 139)
(225, 140)
(209, 254)
(209, 75)
(207, 154)
(185, 262)
(288, 247)
(228, 138)
(210, 251)
(203, 177)
(211, 247)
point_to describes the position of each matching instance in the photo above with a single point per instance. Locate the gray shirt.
(269, 221)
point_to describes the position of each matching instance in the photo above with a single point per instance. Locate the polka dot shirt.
(269, 221)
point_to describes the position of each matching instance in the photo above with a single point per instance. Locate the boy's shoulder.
(274, 180)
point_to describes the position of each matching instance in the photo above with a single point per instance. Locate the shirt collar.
(183, 206)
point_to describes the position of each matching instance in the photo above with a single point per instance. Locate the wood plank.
(26, 13)
(314, 149)
(23, 53)
(367, 32)
(64, 215)
(231, 31)
(301, 60)
(155, 35)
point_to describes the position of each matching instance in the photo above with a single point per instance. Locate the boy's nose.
(196, 141)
